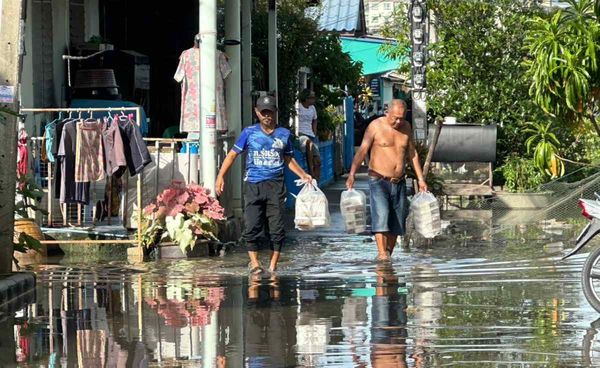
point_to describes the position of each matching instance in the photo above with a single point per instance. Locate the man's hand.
(350, 182)
(220, 185)
(423, 186)
(306, 178)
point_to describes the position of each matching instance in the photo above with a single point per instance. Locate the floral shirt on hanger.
(188, 75)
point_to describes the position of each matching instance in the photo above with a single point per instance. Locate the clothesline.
(79, 109)
(138, 114)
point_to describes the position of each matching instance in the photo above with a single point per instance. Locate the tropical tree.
(300, 44)
(475, 68)
(545, 153)
(563, 68)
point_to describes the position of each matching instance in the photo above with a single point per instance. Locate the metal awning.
(367, 51)
(344, 16)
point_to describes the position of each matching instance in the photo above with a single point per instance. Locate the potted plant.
(184, 214)
(329, 119)
(27, 233)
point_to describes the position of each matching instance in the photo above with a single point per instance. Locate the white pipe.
(208, 118)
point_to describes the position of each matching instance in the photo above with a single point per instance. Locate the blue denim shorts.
(389, 206)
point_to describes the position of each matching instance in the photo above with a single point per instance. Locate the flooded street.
(501, 299)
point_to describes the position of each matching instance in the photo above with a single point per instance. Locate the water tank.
(465, 143)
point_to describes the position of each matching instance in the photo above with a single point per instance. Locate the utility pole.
(419, 34)
(12, 26)
(208, 101)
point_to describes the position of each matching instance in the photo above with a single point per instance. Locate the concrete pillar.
(208, 105)
(246, 49)
(12, 18)
(233, 88)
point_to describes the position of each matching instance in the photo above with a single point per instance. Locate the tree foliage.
(300, 44)
(475, 69)
(563, 68)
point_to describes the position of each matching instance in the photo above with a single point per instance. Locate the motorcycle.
(590, 276)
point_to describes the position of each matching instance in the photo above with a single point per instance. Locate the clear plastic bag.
(312, 207)
(425, 210)
(353, 206)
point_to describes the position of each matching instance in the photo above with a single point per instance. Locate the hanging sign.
(7, 94)
(375, 90)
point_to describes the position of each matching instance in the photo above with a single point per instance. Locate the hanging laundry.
(89, 153)
(137, 155)
(70, 190)
(49, 137)
(22, 153)
(188, 74)
(114, 150)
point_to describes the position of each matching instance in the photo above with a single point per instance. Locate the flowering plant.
(182, 213)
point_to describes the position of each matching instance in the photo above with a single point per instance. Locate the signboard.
(211, 121)
(7, 94)
(375, 87)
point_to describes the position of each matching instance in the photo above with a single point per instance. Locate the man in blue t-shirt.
(269, 148)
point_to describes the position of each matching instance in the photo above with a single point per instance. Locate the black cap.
(266, 103)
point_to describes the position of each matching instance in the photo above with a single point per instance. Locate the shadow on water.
(486, 298)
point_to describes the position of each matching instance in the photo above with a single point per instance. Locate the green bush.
(521, 174)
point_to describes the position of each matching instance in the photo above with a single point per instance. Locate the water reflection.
(473, 305)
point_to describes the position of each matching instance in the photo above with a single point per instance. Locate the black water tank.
(465, 143)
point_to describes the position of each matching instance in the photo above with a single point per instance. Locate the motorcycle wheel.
(590, 279)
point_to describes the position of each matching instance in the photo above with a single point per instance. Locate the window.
(387, 6)
(374, 6)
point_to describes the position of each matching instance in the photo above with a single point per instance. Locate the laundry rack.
(137, 241)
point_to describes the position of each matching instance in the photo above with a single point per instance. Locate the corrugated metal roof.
(340, 15)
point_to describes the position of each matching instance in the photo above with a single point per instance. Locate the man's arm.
(314, 126)
(297, 169)
(416, 164)
(364, 148)
(227, 163)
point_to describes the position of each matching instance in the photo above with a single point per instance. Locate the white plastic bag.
(426, 214)
(312, 207)
(353, 206)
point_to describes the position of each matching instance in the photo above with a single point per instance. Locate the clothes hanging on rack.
(89, 153)
(114, 150)
(188, 72)
(22, 153)
(49, 138)
(137, 155)
(70, 190)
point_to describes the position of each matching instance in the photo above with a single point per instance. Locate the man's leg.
(379, 204)
(254, 219)
(381, 241)
(316, 158)
(274, 213)
(309, 157)
(390, 242)
(398, 213)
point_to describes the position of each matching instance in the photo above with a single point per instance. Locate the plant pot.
(29, 227)
(173, 251)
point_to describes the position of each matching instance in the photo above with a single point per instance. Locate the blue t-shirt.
(265, 159)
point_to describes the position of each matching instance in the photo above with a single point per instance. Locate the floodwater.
(480, 296)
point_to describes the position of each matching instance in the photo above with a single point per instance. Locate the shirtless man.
(389, 140)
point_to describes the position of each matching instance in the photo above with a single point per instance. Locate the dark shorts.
(263, 214)
(389, 206)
